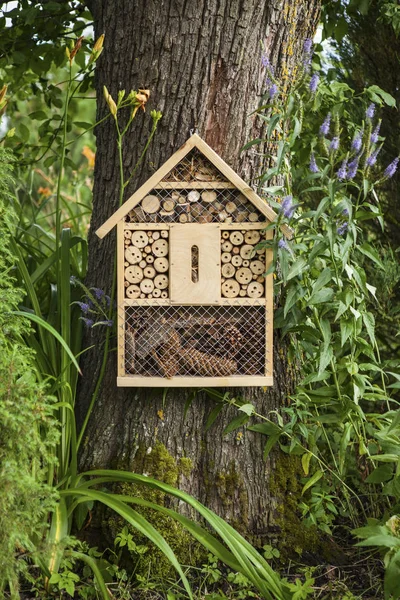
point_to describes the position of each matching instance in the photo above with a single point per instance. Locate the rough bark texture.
(201, 61)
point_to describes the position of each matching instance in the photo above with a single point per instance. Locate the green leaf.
(387, 541)
(369, 322)
(369, 251)
(297, 267)
(324, 295)
(346, 328)
(322, 280)
(305, 462)
(235, 424)
(313, 480)
(380, 474)
(375, 90)
(247, 408)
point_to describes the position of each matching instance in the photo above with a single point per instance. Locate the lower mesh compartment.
(207, 341)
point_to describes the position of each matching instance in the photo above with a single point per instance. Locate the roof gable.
(224, 171)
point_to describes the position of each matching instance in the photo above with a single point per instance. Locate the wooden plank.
(155, 226)
(239, 226)
(194, 185)
(241, 185)
(197, 382)
(206, 290)
(167, 301)
(120, 300)
(146, 187)
(269, 311)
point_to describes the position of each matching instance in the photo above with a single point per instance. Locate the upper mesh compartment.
(208, 197)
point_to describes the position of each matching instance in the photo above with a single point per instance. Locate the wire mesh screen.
(207, 341)
(208, 197)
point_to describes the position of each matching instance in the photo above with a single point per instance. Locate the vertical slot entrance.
(195, 263)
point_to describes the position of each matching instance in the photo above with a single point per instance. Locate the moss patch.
(158, 464)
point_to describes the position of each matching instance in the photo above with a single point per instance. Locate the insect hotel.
(194, 303)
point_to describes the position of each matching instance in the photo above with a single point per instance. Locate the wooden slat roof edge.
(194, 141)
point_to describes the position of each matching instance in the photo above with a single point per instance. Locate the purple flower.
(369, 113)
(375, 134)
(352, 168)
(273, 90)
(371, 160)
(324, 129)
(283, 245)
(287, 207)
(357, 141)
(314, 83)
(109, 323)
(84, 306)
(307, 45)
(392, 168)
(266, 63)
(98, 293)
(313, 164)
(345, 212)
(88, 322)
(342, 172)
(342, 228)
(334, 145)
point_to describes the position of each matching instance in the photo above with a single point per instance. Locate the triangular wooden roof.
(194, 141)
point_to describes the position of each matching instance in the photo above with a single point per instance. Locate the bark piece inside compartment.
(209, 196)
(207, 365)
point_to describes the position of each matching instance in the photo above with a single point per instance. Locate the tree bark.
(202, 62)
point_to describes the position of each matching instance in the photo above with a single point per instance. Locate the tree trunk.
(202, 62)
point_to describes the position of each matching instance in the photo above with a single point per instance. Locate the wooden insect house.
(194, 304)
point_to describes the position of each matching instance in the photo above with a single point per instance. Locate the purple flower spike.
(307, 45)
(342, 172)
(98, 293)
(324, 129)
(369, 113)
(84, 306)
(345, 212)
(313, 164)
(273, 90)
(283, 245)
(392, 168)
(109, 323)
(334, 145)
(371, 160)
(342, 228)
(375, 134)
(352, 168)
(88, 322)
(287, 207)
(357, 142)
(314, 83)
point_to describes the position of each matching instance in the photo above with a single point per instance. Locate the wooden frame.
(179, 239)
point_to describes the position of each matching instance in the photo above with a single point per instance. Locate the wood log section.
(160, 247)
(247, 251)
(149, 259)
(183, 218)
(228, 270)
(225, 235)
(128, 234)
(146, 286)
(253, 217)
(133, 255)
(168, 205)
(236, 250)
(230, 208)
(147, 250)
(226, 257)
(156, 235)
(193, 196)
(164, 295)
(246, 263)
(161, 283)
(236, 237)
(243, 293)
(226, 246)
(132, 292)
(209, 196)
(140, 239)
(237, 260)
(149, 272)
(142, 264)
(257, 267)
(222, 216)
(164, 234)
(252, 237)
(150, 204)
(230, 288)
(205, 217)
(255, 289)
(156, 293)
(161, 265)
(134, 274)
(243, 275)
